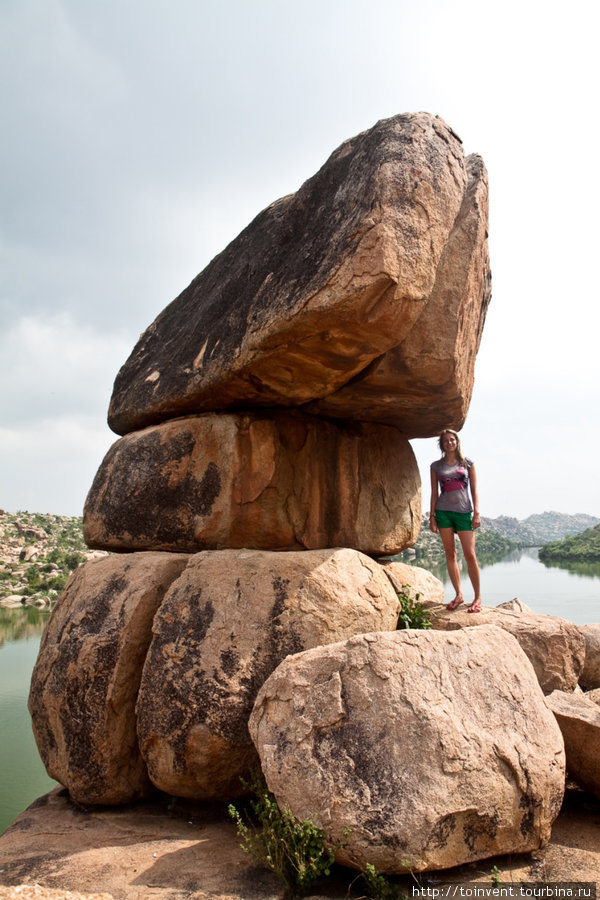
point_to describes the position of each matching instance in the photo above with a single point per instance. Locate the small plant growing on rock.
(380, 887)
(412, 613)
(295, 851)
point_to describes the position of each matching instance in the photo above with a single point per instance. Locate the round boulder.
(223, 627)
(413, 750)
(85, 681)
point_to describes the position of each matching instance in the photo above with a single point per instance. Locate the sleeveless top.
(454, 486)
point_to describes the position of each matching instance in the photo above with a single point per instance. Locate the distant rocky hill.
(584, 547)
(38, 552)
(498, 536)
(540, 528)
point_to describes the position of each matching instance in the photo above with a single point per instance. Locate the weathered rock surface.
(554, 646)
(85, 681)
(419, 581)
(157, 849)
(590, 677)
(222, 628)
(579, 721)
(272, 481)
(594, 695)
(436, 359)
(433, 749)
(325, 281)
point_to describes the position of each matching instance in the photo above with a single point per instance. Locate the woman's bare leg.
(447, 536)
(467, 541)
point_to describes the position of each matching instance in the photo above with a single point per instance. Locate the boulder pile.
(263, 467)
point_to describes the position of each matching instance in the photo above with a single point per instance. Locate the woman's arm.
(434, 495)
(474, 496)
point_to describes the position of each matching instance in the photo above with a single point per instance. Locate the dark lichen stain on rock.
(101, 607)
(441, 831)
(370, 771)
(230, 661)
(160, 505)
(527, 823)
(478, 825)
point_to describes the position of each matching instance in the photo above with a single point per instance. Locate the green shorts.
(458, 521)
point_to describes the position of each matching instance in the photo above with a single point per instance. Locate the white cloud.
(54, 366)
(48, 465)
(139, 138)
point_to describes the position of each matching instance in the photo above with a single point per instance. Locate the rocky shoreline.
(38, 553)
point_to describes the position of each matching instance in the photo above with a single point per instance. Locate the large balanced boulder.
(413, 750)
(272, 481)
(86, 678)
(590, 677)
(554, 646)
(579, 720)
(223, 627)
(325, 281)
(436, 360)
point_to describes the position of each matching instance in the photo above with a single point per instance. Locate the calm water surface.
(22, 776)
(573, 593)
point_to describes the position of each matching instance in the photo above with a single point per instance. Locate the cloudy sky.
(140, 137)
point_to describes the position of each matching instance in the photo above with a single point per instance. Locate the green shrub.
(295, 851)
(412, 613)
(379, 887)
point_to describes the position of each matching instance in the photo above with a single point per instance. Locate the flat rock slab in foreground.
(163, 851)
(222, 628)
(270, 481)
(325, 281)
(415, 750)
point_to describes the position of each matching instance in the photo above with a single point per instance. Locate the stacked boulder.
(263, 466)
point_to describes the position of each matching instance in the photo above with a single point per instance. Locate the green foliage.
(412, 613)
(60, 552)
(380, 887)
(584, 547)
(496, 873)
(295, 851)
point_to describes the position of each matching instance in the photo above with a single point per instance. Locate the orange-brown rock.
(273, 481)
(86, 678)
(554, 646)
(222, 628)
(413, 750)
(420, 582)
(579, 721)
(163, 850)
(325, 281)
(590, 677)
(424, 384)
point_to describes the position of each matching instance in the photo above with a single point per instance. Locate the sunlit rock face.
(222, 628)
(85, 681)
(270, 481)
(415, 750)
(363, 294)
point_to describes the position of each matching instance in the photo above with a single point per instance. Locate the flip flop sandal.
(454, 604)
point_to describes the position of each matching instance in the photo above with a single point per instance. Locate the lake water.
(23, 778)
(572, 593)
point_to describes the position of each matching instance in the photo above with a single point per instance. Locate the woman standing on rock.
(451, 511)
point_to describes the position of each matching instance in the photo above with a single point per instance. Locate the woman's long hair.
(459, 453)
